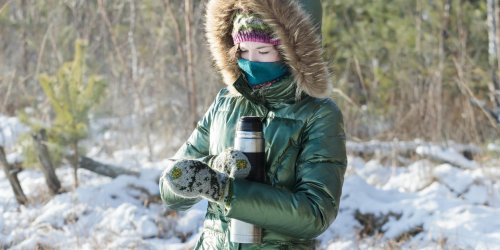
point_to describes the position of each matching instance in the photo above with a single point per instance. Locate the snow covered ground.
(424, 205)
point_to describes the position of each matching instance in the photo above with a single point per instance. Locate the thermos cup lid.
(250, 123)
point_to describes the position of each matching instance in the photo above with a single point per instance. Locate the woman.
(270, 56)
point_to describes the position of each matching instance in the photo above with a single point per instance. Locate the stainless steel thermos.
(249, 139)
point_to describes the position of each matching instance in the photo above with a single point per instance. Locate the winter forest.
(96, 95)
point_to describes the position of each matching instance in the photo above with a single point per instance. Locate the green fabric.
(315, 11)
(262, 72)
(305, 166)
(277, 95)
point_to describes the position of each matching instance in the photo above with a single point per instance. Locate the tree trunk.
(187, 55)
(51, 179)
(436, 92)
(188, 22)
(418, 26)
(24, 39)
(494, 85)
(104, 169)
(74, 163)
(11, 174)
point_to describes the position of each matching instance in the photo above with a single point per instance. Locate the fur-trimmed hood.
(296, 22)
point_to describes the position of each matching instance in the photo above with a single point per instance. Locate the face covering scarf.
(262, 72)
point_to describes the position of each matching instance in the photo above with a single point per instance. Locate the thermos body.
(252, 145)
(242, 232)
(249, 140)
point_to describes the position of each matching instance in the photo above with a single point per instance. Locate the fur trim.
(300, 42)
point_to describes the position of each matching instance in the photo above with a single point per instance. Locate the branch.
(473, 99)
(104, 169)
(11, 174)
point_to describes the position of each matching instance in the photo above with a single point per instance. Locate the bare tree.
(436, 92)
(11, 174)
(51, 179)
(188, 22)
(493, 52)
(186, 54)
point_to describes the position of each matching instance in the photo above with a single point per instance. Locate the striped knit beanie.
(249, 27)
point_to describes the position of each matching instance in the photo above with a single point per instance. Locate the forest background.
(401, 69)
(123, 82)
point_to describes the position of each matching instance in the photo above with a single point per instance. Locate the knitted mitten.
(232, 162)
(192, 179)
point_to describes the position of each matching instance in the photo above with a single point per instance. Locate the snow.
(10, 129)
(446, 202)
(421, 205)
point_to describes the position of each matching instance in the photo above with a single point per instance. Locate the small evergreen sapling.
(71, 94)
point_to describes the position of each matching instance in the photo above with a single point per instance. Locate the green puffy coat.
(304, 135)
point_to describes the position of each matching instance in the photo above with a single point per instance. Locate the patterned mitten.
(192, 179)
(232, 162)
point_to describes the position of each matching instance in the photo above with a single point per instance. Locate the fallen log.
(448, 155)
(104, 169)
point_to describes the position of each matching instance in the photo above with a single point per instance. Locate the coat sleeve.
(196, 147)
(309, 209)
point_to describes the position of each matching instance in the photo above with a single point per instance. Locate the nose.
(252, 56)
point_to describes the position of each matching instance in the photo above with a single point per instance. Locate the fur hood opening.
(298, 25)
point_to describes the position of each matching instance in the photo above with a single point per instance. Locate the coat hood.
(298, 25)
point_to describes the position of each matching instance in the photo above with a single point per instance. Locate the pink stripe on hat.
(253, 36)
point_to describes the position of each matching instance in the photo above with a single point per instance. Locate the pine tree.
(71, 95)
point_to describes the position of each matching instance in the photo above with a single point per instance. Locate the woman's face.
(259, 52)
